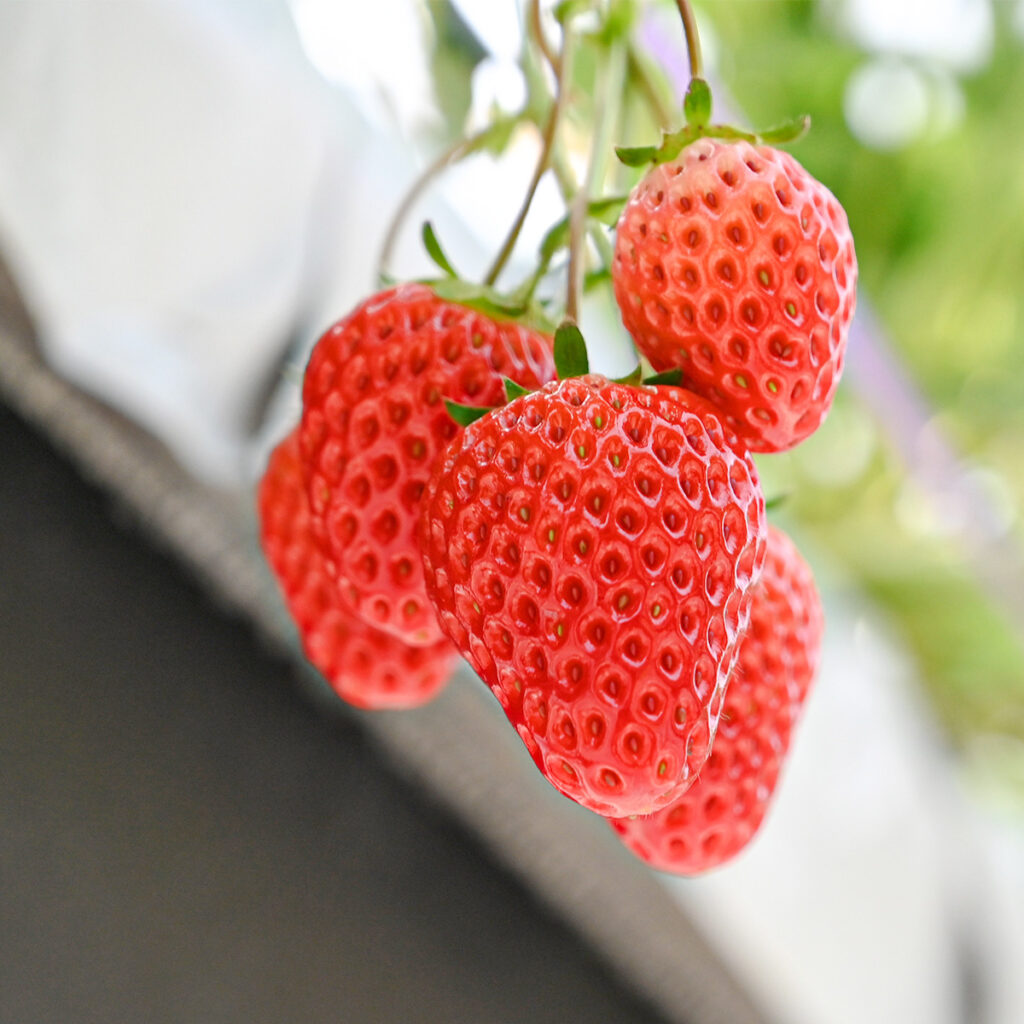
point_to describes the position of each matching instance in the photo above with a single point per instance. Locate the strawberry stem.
(608, 104)
(562, 65)
(453, 154)
(692, 38)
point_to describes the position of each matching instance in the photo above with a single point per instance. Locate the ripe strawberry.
(373, 421)
(778, 657)
(366, 667)
(736, 266)
(589, 548)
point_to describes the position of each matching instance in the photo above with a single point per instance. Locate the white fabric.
(173, 182)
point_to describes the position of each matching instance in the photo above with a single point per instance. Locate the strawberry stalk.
(613, 74)
(562, 65)
(457, 151)
(692, 38)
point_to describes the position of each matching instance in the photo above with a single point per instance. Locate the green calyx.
(697, 113)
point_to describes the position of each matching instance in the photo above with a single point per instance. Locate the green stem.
(692, 38)
(607, 105)
(460, 148)
(564, 62)
(535, 29)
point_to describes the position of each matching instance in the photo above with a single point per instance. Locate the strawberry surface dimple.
(582, 599)
(373, 422)
(366, 667)
(735, 266)
(777, 659)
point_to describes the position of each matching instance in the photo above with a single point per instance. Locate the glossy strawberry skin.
(589, 549)
(373, 422)
(366, 667)
(733, 264)
(778, 657)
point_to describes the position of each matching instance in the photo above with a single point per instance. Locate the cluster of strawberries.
(597, 550)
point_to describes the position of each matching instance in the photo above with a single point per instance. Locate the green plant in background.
(927, 523)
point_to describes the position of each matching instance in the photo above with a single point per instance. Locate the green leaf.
(788, 131)
(434, 250)
(514, 390)
(571, 358)
(619, 21)
(465, 414)
(477, 296)
(497, 137)
(596, 279)
(568, 8)
(636, 156)
(672, 377)
(697, 104)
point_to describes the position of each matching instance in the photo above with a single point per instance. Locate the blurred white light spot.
(947, 102)
(375, 51)
(496, 25)
(958, 33)
(496, 84)
(886, 104)
(921, 514)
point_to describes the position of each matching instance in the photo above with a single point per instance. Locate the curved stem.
(608, 101)
(535, 29)
(547, 144)
(460, 148)
(692, 38)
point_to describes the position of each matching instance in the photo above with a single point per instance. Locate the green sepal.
(434, 250)
(514, 390)
(673, 377)
(636, 156)
(465, 414)
(632, 379)
(788, 131)
(478, 296)
(697, 103)
(498, 305)
(571, 358)
(673, 143)
(773, 503)
(496, 138)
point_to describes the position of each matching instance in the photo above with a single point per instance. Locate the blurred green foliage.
(939, 227)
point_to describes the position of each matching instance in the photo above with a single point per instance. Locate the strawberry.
(366, 667)
(589, 548)
(734, 265)
(373, 421)
(778, 656)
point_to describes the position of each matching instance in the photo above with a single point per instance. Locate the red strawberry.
(373, 421)
(778, 657)
(589, 548)
(365, 666)
(736, 266)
